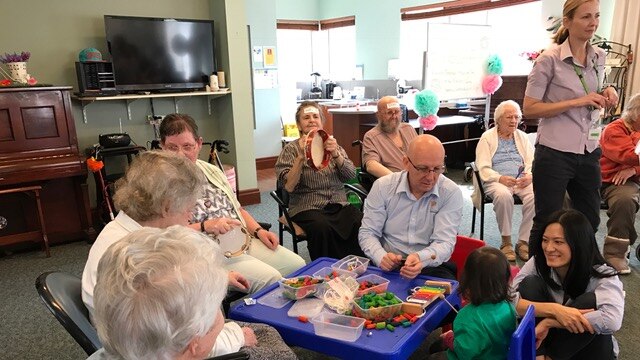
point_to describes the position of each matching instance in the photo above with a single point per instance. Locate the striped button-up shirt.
(315, 189)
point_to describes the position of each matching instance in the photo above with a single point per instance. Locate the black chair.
(61, 294)
(359, 190)
(484, 199)
(281, 196)
(364, 178)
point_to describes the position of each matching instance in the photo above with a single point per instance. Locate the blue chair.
(523, 340)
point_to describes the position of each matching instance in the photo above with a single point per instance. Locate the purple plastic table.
(383, 344)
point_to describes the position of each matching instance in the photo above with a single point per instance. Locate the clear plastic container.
(274, 299)
(381, 313)
(301, 292)
(381, 286)
(328, 274)
(306, 307)
(336, 326)
(353, 263)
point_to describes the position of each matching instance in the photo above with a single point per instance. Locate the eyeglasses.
(425, 170)
(513, 117)
(176, 148)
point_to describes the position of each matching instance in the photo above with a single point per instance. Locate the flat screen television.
(152, 54)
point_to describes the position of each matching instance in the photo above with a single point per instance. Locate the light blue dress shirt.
(395, 221)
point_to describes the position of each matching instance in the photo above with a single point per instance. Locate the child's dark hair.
(486, 277)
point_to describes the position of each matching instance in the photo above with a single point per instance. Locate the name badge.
(595, 132)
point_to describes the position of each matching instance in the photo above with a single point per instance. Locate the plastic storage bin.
(336, 326)
(380, 313)
(328, 274)
(293, 292)
(353, 263)
(381, 286)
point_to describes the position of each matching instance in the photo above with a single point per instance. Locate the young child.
(483, 328)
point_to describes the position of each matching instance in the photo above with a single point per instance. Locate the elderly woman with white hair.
(504, 158)
(159, 190)
(620, 183)
(142, 278)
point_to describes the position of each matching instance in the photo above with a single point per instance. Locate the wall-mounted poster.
(269, 54)
(257, 54)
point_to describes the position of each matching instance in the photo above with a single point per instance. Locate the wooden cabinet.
(39, 147)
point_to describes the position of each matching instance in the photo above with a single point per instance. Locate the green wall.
(55, 31)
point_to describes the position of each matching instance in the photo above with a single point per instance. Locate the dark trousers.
(561, 344)
(556, 172)
(446, 270)
(623, 205)
(332, 231)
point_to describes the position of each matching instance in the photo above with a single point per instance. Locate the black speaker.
(95, 77)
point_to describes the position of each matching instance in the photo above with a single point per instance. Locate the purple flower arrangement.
(15, 57)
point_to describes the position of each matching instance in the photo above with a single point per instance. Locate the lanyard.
(581, 77)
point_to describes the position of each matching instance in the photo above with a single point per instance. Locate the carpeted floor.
(29, 331)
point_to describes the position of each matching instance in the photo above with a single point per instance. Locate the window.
(327, 47)
(514, 30)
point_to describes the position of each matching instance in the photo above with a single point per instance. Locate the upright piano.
(39, 146)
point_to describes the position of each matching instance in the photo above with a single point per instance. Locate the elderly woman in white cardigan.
(504, 157)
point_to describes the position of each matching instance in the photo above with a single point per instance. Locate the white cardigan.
(486, 148)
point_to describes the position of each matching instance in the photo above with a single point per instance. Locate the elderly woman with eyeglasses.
(218, 211)
(504, 157)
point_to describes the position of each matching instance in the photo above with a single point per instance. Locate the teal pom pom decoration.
(494, 65)
(426, 103)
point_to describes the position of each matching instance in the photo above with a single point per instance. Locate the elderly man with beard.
(386, 145)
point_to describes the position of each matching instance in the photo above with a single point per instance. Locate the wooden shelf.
(129, 98)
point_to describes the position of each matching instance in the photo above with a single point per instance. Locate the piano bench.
(34, 236)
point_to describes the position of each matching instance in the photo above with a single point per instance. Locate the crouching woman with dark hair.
(575, 291)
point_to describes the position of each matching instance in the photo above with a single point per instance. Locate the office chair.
(484, 199)
(61, 294)
(523, 340)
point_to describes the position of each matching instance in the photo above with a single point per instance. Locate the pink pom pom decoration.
(491, 83)
(429, 122)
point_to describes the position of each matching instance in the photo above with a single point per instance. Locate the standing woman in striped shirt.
(317, 200)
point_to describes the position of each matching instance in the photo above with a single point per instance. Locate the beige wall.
(55, 32)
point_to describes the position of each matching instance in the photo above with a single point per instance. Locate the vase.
(18, 71)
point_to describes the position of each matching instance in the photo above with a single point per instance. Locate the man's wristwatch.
(255, 232)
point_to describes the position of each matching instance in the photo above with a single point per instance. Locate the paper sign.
(269, 56)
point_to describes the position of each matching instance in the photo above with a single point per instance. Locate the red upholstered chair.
(464, 246)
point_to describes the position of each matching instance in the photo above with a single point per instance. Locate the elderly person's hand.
(524, 180)
(219, 226)
(390, 261)
(238, 281)
(269, 239)
(621, 177)
(250, 338)
(412, 266)
(611, 96)
(507, 181)
(331, 145)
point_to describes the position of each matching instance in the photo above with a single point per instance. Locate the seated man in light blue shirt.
(411, 218)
